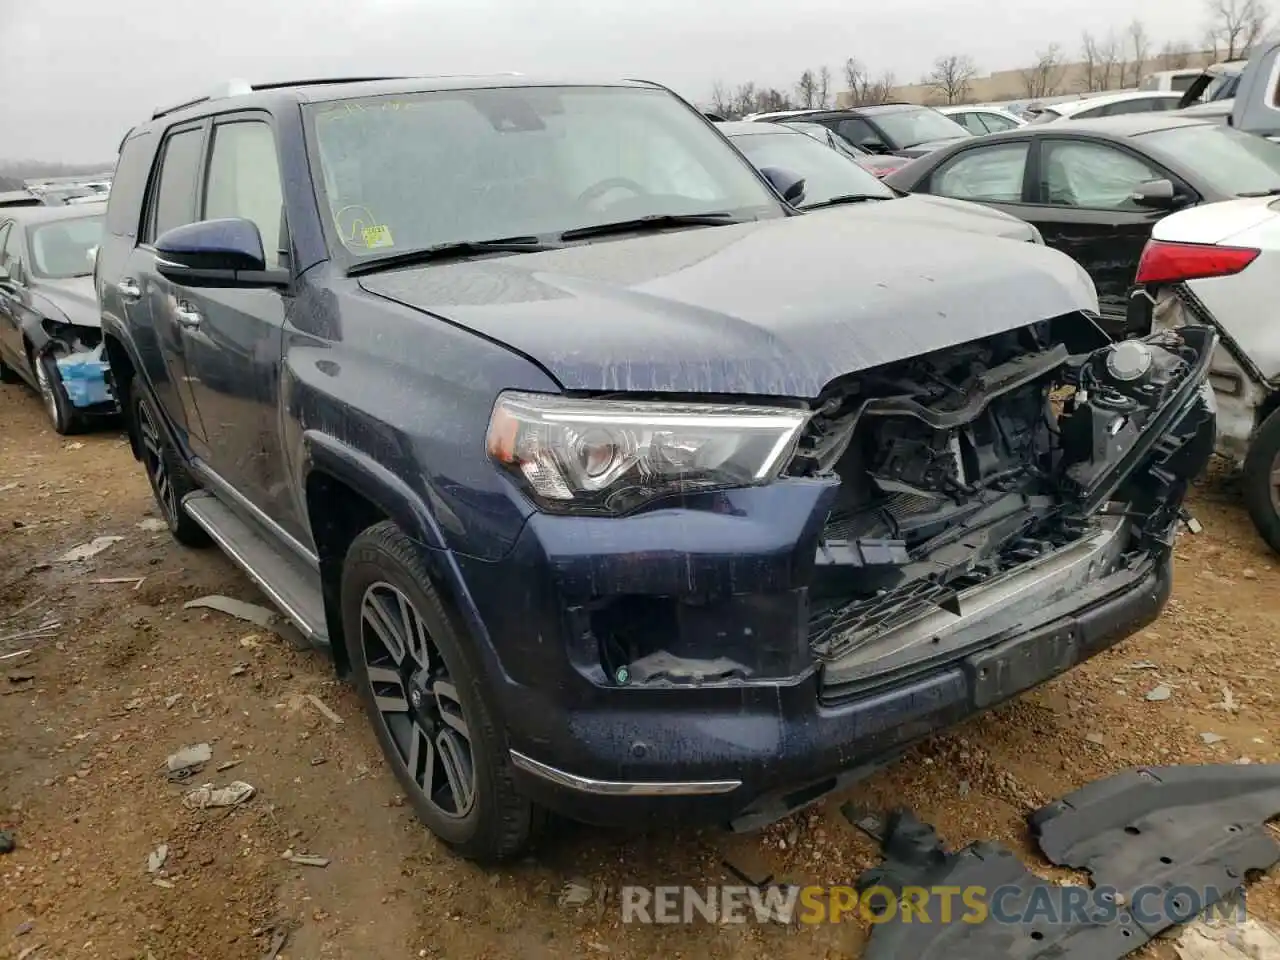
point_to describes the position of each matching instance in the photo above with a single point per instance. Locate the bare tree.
(1043, 79)
(770, 99)
(722, 101)
(824, 87)
(1110, 62)
(1175, 55)
(1235, 26)
(1091, 62)
(881, 89)
(862, 88)
(1139, 50)
(807, 89)
(745, 100)
(951, 77)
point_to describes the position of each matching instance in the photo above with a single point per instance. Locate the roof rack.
(238, 88)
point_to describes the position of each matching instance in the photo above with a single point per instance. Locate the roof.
(1076, 106)
(324, 90)
(46, 214)
(1107, 128)
(741, 128)
(18, 198)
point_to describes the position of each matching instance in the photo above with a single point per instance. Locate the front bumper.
(735, 717)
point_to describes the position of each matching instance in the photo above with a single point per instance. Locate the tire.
(1261, 480)
(53, 395)
(423, 717)
(169, 477)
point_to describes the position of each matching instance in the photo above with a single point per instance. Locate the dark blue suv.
(617, 485)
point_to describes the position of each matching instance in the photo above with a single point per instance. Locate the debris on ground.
(305, 859)
(223, 767)
(1239, 940)
(277, 944)
(172, 699)
(8, 843)
(47, 628)
(14, 655)
(1228, 701)
(156, 859)
(239, 609)
(1144, 665)
(106, 581)
(1097, 739)
(232, 795)
(1210, 739)
(87, 551)
(324, 709)
(158, 882)
(189, 759)
(575, 893)
(153, 525)
(1162, 692)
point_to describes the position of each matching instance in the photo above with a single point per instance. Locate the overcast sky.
(77, 73)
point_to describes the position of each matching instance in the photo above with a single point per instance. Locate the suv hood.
(770, 308)
(74, 297)
(929, 211)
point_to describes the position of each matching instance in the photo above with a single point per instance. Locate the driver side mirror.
(1157, 195)
(216, 253)
(789, 184)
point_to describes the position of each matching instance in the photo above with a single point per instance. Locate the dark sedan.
(50, 334)
(1095, 187)
(904, 129)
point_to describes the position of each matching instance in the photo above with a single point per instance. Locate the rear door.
(171, 202)
(993, 173)
(1082, 191)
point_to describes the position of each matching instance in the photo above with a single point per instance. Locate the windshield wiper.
(461, 248)
(653, 222)
(1273, 192)
(841, 200)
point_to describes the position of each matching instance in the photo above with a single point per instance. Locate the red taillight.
(1164, 262)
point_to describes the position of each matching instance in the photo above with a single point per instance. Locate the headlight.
(609, 456)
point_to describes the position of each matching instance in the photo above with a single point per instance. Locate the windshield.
(1222, 87)
(826, 173)
(403, 173)
(1228, 160)
(65, 248)
(910, 128)
(825, 135)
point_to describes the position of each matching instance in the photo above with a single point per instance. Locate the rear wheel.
(1262, 480)
(168, 475)
(53, 395)
(426, 700)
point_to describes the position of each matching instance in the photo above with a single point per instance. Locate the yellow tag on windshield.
(379, 236)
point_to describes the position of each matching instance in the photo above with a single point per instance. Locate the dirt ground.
(129, 676)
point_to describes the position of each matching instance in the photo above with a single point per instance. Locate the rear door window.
(174, 199)
(994, 174)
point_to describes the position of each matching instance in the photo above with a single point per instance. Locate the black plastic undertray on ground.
(1176, 838)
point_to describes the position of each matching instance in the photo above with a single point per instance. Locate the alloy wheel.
(153, 459)
(1275, 484)
(417, 700)
(46, 389)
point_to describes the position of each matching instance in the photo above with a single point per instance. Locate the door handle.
(188, 316)
(129, 289)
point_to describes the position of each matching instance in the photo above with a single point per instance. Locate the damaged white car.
(50, 330)
(1220, 265)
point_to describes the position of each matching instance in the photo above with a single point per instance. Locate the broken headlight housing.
(611, 456)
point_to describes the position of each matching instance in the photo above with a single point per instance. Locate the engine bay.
(960, 467)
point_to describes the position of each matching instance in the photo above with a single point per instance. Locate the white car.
(1220, 264)
(1109, 105)
(980, 120)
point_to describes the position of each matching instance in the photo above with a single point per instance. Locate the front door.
(232, 338)
(1084, 195)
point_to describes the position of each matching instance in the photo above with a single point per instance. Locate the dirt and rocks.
(110, 862)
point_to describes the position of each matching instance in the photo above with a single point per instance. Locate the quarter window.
(175, 196)
(1092, 175)
(244, 181)
(11, 251)
(993, 174)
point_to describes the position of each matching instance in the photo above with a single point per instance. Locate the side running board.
(290, 585)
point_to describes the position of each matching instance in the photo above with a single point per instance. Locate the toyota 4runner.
(505, 393)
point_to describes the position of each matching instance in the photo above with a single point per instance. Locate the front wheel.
(53, 395)
(1262, 480)
(427, 701)
(168, 475)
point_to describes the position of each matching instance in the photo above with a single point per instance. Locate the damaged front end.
(80, 356)
(993, 487)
